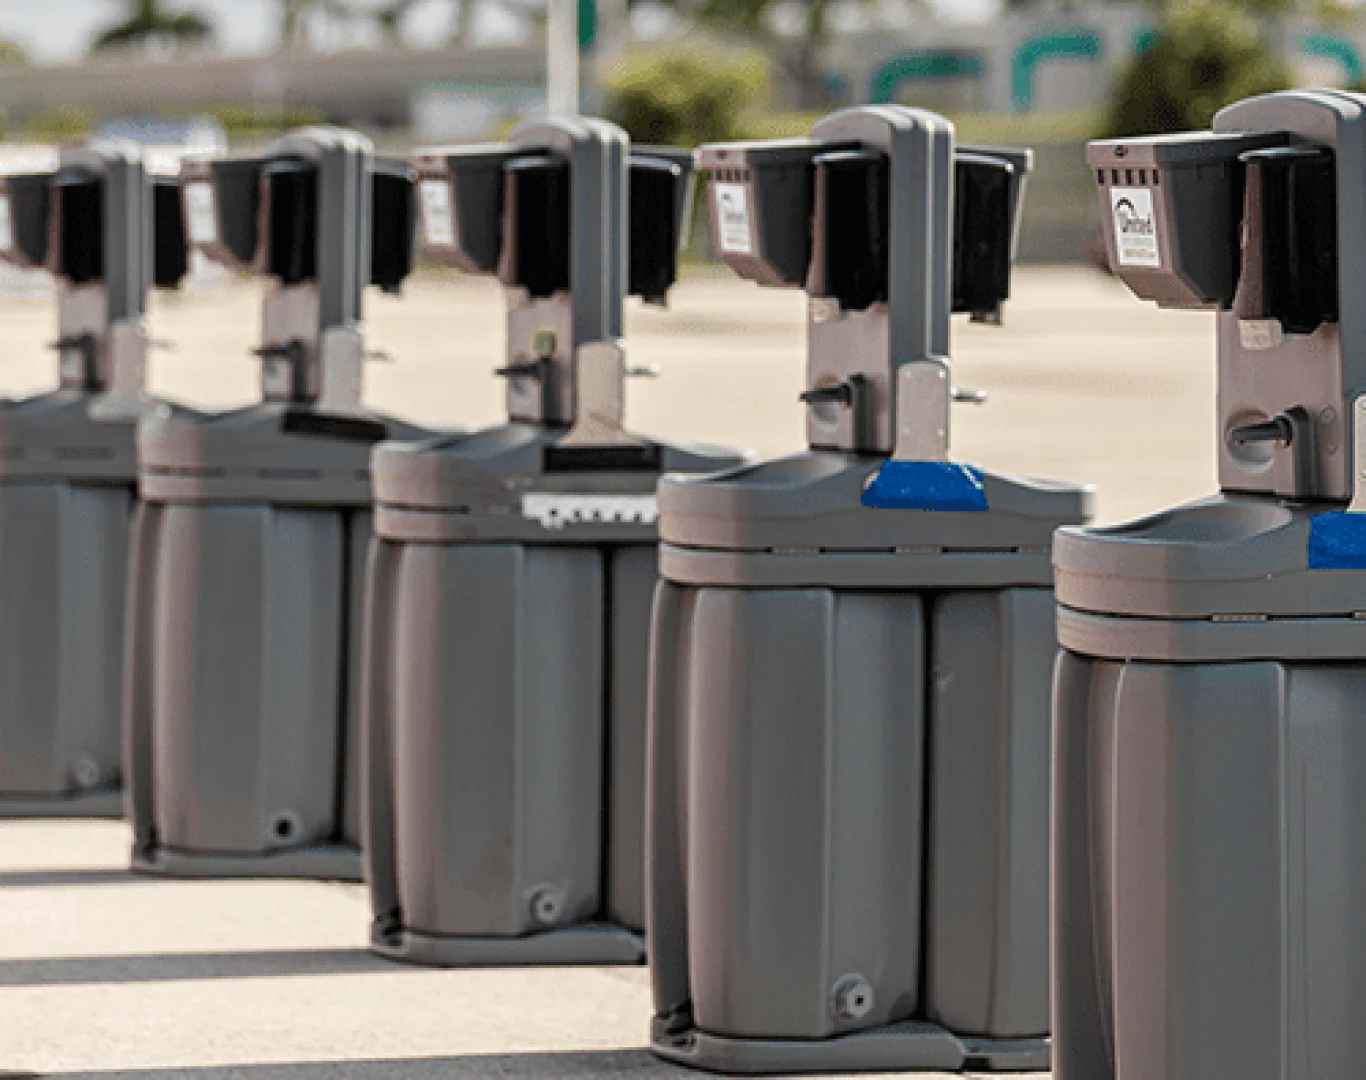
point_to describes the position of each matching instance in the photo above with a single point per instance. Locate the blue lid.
(926, 485)
(1337, 541)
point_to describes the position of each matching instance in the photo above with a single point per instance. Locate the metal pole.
(562, 58)
(602, 45)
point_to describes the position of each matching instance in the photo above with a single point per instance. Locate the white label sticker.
(201, 218)
(731, 202)
(277, 377)
(438, 222)
(1135, 227)
(6, 226)
(555, 510)
(1255, 335)
(71, 365)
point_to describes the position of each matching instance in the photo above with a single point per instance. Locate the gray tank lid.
(519, 481)
(70, 435)
(1227, 557)
(813, 499)
(273, 451)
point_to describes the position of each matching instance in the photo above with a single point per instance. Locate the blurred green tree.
(65, 125)
(685, 97)
(1205, 55)
(388, 15)
(293, 29)
(389, 19)
(464, 13)
(149, 22)
(12, 55)
(800, 54)
(294, 18)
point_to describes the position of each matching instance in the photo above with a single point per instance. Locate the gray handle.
(137, 667)
(377, 787)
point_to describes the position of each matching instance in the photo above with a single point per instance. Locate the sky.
(52, 31)
(56, 31)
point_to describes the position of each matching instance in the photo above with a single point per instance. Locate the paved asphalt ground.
(106, 975)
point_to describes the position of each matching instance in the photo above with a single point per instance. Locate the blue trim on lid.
(1337, 541)
(926, 485)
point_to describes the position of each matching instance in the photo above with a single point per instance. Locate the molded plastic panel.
(247, 646)
(794, 848)
(634, 571)
(986, 881)
(508, 686)
(359, 533)
(497, 735)
(1208, 870)
(63, 564)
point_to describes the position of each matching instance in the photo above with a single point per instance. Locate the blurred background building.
(1050, 73)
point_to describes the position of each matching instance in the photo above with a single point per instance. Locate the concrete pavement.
(111, 976)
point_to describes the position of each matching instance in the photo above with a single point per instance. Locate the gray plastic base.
(587, 945)
(243, 727)
(848, 765)
(106, 803)
(895, 1047)
(497, 749)
(67, 499)
(850, 788)
(504, 689)
(246, 582)
(63, 568)
(1208, 864)
(1207, 803)
(325, 862)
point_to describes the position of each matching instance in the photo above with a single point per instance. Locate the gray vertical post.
(848, 785)
(67, 495)
(322, 317)
(591, 309)
(873, 344)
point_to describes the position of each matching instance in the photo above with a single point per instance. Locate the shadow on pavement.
(580, 1065)
(173, 967)
(31, 879)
